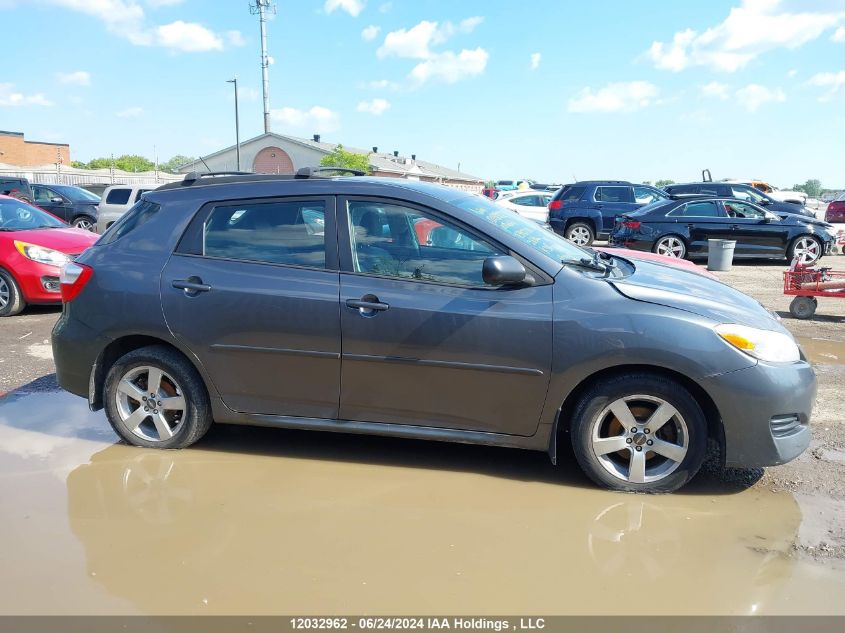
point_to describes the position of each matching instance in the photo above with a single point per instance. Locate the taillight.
(631, 224)
(73, 279)
(555, 205)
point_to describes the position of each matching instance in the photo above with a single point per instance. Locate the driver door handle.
(191, 286)
(360, 304)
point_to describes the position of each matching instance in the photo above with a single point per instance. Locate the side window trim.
(190, 244)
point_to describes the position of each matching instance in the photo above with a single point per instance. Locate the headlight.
(41, 255)
(773, 347)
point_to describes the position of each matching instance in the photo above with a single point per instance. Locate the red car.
(33, 247)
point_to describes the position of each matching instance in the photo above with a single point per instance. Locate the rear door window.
(272, 232)
(613, 194)
(118, 196)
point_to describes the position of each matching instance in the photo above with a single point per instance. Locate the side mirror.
(56, 200)
(765, 201)
(502, 270)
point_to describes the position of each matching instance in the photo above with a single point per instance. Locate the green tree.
(174, 163)
(127, 162)
(78, 164)
(812, 188)
(347, 160)
(663, 182)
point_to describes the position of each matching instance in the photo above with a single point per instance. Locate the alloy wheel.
(671, 247)
(579, 235)
(807, 250)
(640, 438)
(150, 403)
(85, 225)
(5, 293)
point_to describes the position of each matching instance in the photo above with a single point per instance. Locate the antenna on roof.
(207, 168)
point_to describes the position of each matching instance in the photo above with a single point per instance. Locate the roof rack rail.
(310, 172)
(684, 196)
(196, 175)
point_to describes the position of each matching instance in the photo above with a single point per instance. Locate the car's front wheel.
(11, 299)
(155, 398)
(84, 222)
(580, 233)
(639, 432)
(671, 246)
(806, 248)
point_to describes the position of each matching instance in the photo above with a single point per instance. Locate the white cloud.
(155, 4)
(235, 38)
(839, 35)
(625, 96)
(379, 84)
(415, 43)
(317, 119)
(370, 33)
(384, 7)
(792, 73)
(10, 98)
(187, 36)
(130, 113)
(352, 7)
(450, 67)
(834, 81)
(75, 78)
(753, 28)
(535, 60)
(716, 90)
(376, 107)
(127, 19)
(754, 95)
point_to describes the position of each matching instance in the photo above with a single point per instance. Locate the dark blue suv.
(587, 210)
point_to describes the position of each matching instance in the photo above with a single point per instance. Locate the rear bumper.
(76, 348)
(765, 412)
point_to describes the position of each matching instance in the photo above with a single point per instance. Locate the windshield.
(76, 194)
(527, 231)
(747, 193)
(16, 215)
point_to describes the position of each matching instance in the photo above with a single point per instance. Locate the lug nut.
(146, 408)
(629, 440)
(145, 398)
(159, 404)
(646, 431)
(639, 448)
(649, 442)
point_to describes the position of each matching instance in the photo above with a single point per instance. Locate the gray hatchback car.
(392, 307)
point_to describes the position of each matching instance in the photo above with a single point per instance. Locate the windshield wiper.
(593, 263)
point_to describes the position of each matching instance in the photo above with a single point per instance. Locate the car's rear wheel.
(639, 432)
(11, 299)
(580, 233)
(806, 248)
(671, 246)
(84, 222)
(155, 398)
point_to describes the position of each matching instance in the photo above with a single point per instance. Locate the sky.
(551, 90)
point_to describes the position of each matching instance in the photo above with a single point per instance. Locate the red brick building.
(17, 151)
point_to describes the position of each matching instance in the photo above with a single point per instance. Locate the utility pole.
(237, 124)
(261, 7)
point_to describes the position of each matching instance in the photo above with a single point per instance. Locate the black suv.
(740, 192)
(587, 210)
(76, 206)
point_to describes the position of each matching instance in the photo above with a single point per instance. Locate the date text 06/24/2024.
(416, 623)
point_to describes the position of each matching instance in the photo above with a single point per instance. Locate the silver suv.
(117, 200)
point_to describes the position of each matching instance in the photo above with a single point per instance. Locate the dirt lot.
(263, 520)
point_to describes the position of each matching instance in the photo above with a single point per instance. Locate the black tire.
(590, 411)
(577, 232)
(84, 222)
(196, 419)
(11, 299)
(790, 253)
(803, 307)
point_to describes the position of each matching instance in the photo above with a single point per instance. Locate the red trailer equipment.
(807, 283)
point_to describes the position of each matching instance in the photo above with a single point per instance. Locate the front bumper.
(39, 283)
(765, 411)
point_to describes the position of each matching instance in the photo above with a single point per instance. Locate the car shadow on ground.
(492, 461)
(822, 318)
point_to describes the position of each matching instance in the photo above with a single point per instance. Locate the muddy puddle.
(823, 351)
(257, 521)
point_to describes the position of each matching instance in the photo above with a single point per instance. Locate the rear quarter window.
(118, 196)
(571, 194)
(138, 215)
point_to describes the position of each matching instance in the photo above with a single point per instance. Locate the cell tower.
(262, 8)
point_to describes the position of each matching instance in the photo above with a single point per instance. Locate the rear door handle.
(192, 286)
